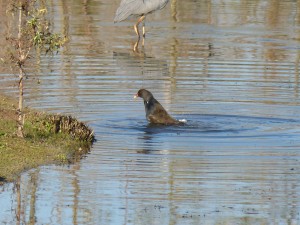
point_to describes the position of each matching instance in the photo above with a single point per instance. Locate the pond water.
(230, 68)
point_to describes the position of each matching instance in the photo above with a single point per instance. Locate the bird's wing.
(129, 7)
(155, 4)
(159, 110)
(155, 119)
(138, 7)
(160, 115)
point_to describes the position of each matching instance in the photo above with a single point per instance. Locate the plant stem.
(20, 132)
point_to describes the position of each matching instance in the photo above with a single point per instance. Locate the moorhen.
(155, 112)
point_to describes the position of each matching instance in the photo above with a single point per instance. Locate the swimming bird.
(138, 8)
(155, 112)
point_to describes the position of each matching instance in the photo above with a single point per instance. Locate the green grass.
(45, 142)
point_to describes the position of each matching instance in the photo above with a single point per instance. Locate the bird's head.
(144, 94)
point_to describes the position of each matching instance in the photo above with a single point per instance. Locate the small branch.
(27, 54)
(20, 30)
(21, 79)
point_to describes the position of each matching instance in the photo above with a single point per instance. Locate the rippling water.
(231, 69)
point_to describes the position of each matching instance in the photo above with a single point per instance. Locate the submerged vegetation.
(47, 139)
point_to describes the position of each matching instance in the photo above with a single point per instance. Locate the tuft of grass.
(48, 139)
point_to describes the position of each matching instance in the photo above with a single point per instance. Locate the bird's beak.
(135, 96)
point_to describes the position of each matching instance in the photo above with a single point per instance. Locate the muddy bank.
(48, 139)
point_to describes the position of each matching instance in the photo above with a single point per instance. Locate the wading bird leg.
(136, 29)
(144, 31)
(136, 26)
(144, 34)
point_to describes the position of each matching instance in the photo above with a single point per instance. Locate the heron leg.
(136, 29)
(144, 31)
(136, 26)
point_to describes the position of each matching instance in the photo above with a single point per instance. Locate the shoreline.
(49, 139)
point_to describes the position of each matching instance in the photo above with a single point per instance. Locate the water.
(231, 69)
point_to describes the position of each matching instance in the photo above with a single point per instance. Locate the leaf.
(42, 11)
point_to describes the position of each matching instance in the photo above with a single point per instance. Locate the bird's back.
(156, 113)
(138, 7)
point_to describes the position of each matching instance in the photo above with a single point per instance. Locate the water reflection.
(140, 64)
(148, 144)
(230, 68)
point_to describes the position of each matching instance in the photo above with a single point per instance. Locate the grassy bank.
(48, 139)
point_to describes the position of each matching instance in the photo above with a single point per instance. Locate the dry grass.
(48, 139)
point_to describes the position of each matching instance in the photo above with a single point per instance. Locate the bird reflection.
(140, 64)
(148, 145)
